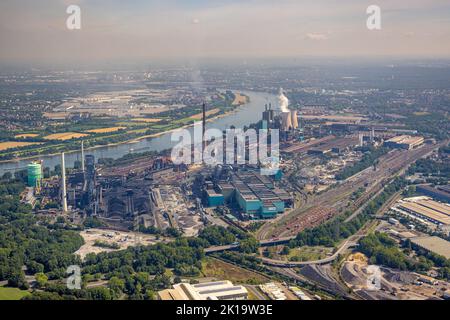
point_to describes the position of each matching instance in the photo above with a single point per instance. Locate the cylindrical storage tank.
(34, 174)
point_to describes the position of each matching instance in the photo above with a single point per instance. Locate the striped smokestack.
(203, 128)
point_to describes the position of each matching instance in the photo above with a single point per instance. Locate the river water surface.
(244, 115)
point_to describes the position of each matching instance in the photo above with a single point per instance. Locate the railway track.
(390, 165)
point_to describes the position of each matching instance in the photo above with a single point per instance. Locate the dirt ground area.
(120, 238)
(239, 99)
(395, 284)
(208, 113)
(15, 144)
(106, 130)
(65, 136)
(27, 135)
(221, 270)
(146, 120)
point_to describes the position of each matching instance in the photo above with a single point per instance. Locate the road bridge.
(262, 243)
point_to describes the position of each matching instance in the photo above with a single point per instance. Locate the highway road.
(349, 243)
(262, 243)
(293, 275)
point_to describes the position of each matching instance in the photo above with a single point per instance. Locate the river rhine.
(244, 115)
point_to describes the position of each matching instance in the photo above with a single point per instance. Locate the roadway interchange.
(336, 200)
(349, 243)
(315, 274)
(322, 207)
(390, 165)
(319, 273)
(346, 245)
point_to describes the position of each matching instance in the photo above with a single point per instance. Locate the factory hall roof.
(405, 139)
(253, 186)
(428, 208)
(433, 244)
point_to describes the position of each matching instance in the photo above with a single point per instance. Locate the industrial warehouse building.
(404, 142)
(337, 145)
(433, 244)
(218, 290)
(272, 290)
(215, 199)
(441, 193)
(426, 210)
(254, 194)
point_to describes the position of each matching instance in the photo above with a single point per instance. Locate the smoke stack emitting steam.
(289, 118)
(284, 101)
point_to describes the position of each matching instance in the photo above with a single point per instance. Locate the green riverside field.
(12, 293)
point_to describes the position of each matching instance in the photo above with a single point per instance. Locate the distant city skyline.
(34, 32)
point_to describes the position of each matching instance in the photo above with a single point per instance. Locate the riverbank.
(158, 142)
(133, 140)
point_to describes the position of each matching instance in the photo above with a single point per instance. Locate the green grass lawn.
(309, 253)
(12, 293)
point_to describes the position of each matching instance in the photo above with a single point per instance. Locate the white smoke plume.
(284, 101)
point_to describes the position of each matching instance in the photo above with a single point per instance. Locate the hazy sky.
(34, 31)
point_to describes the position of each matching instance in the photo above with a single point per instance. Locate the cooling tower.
(286, 121)
(294, 119)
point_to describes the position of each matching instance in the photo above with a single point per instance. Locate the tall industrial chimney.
(203, 129)
(63, 183)
(82, 156)
(204, 119)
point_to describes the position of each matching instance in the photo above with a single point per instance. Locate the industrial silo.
(34, 171)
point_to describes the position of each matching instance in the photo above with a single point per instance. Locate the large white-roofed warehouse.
(218, 290)
(426, 209)
(433, 244)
